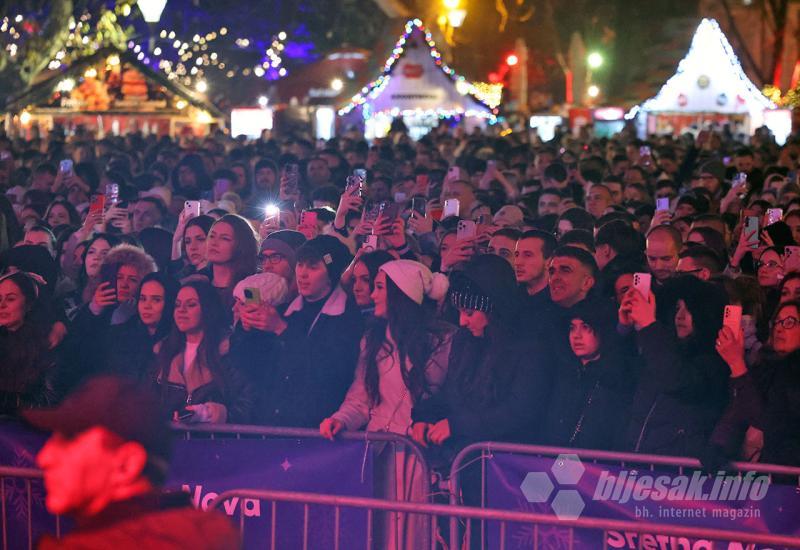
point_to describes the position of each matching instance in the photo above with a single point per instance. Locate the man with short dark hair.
(105, 464)
(700, 261)
(549, 202)
(572, 273)
(598, 200)
(555, 176)
(503, 243)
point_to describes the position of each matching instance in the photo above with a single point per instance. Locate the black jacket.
(313, 363)
(680, 396)
(590, 403)
(506, 408)
(128, 350)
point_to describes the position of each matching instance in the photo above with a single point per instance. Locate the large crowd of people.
(607, 293)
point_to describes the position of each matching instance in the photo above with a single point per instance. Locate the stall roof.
(43, 89)
(416, 80)
(313, 82)
(709, 79)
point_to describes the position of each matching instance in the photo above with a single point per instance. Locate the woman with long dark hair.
(232, 253)
(88, 276)
(403, 360)
(196, 383)
(360, 277)
(28, 364)
(130, 346)
(189, 251)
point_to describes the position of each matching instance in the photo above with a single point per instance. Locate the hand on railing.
(330, 427)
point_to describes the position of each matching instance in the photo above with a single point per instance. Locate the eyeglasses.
(787, 322)
(273, 258)
(689, 271)
(771, 264)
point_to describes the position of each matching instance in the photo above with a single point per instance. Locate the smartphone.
(732, 318)
(419, 205)
(252, 296)
(641, 282)
(791, 259)
(644, 151)
(454, 173)
(308, 218)
(185, 414)
(108, 274)
(451, 208)
(491, 165)
(112, 193)
(5, 155)
(774, 215)
(192, 208)
(98, 204)
(434, 189)
(353, 186)
(739, 179)
(389, 210)
(292, 173)
(65, 166)
(400, 197)
(361, 174)
(370, 243)
(662, 204)
(751, 227)
(371, 212)
(466, 230)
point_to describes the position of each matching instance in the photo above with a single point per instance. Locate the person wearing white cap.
(404, 358)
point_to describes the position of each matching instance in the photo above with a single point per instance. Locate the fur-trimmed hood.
(128, 254)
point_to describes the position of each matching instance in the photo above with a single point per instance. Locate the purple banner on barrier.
(206, 468)
(568, 488)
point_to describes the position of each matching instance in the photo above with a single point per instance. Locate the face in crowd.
(786, 330)
(529, 261)
(151, 304)
(13, 305)
(662, 255)
(313, 282)
(569, 281)
(583, 340)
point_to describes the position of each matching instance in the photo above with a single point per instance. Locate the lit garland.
(790, 99)
(490, 93)
(194, 56)
(376, 87)
(709, 50)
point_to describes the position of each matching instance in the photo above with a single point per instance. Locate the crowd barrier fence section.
(485, 451)
(19, 488)
(503, 517)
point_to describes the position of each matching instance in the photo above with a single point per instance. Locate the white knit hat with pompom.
(415, 280)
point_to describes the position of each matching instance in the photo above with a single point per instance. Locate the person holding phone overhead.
(681, 389)
(760, 422)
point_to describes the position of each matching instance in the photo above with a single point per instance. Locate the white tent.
(709, 81)
(417, 85)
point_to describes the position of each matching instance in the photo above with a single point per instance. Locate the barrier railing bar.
(29, 502)
(502, 535)
(336, 513)
(599, 524)
(369, 528)
(535, 535)
(612, 456)
(273, 528)
(3, 497)
(305, 526)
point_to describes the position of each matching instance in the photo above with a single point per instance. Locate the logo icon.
(567, 503)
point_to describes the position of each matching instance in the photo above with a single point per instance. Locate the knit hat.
(714, 168)
(271, 287)
(279, 246)
(509, 216)
(487, 283)
(328, 250)
(415, 280)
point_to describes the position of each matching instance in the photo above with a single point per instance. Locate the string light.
(376, 87)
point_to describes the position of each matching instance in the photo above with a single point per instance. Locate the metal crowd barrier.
(486, 449)
(27, 476)
(504, 517)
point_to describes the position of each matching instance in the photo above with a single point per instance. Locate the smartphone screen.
(662, 204)
(65, 166)
(370, 243)
(308, 219)
(732, 318)
(641, 282)
(451, 208)
(98, 204)
(774, 215)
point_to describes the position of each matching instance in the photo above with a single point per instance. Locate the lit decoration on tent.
(489, 93)
(707, 77)
(377, 86)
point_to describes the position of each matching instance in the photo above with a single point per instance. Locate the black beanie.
(330, 250)
(486, 283)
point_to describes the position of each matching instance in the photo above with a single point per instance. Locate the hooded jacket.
(682, 388)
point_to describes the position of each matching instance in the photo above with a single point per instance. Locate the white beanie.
(415, 280)
(273, 288)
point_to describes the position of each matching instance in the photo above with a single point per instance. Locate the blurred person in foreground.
(105, 465)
